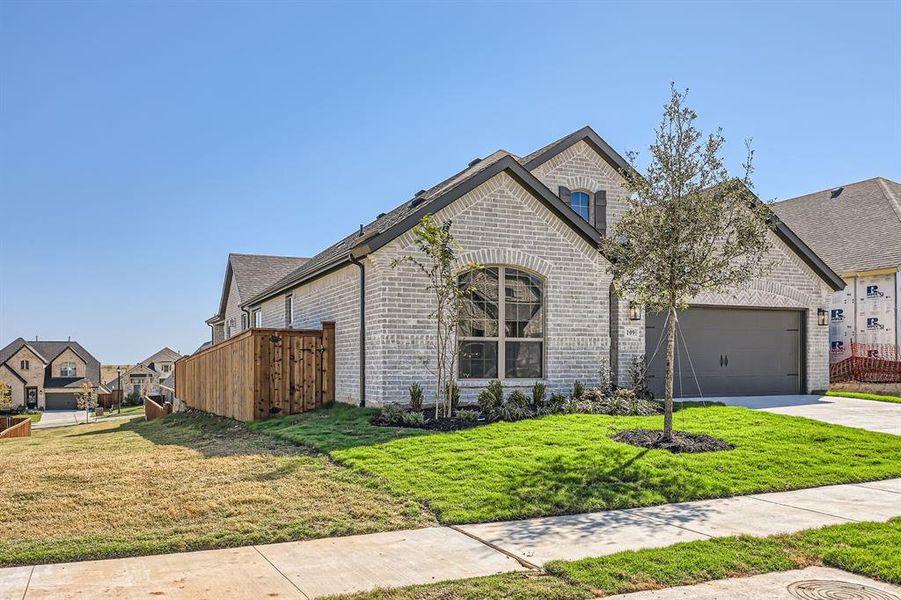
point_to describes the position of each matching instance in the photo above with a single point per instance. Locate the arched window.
(502, 326)
(580, 203)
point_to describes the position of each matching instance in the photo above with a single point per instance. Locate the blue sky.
(142, 142)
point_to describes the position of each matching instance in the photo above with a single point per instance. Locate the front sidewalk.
(309, 569)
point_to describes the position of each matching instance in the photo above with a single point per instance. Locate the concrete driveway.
(59, 418)
(851, 412)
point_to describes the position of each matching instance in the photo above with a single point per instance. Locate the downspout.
(362, 267)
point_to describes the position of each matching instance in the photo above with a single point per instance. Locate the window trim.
(501, 338)
(590, 197)
(289, 310)
(24, 365)
(64, 364)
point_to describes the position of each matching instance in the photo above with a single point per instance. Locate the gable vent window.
(289, 310)
(581, 202)
(67, 369)
(24, 365)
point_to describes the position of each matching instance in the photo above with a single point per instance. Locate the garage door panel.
(66, 401)
(732, 351)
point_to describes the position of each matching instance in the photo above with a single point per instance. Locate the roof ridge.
(890, 195)
(267, 255)
(829, 189)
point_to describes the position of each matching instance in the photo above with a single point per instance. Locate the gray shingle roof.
(49, 350)
(853, 228)
(381, 223)
(164, 355)
(254, 272)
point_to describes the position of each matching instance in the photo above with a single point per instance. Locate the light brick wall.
(16, 387)
(34, 375)
(334, 297)
(497, 223)
(68, 356)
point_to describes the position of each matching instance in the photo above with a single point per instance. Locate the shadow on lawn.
(210, 435)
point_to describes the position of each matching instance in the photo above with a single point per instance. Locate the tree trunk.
(668, 385)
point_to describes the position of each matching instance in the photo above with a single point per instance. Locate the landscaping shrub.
(391, 414)
(491, 398)
(578, 390)
(416, 397)
(468, 417)
(638, 375)
(628, 402)
(454, 395)
(413, 419)
(539, 395)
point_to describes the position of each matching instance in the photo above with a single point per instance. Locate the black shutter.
(565, 194)
(600, 211)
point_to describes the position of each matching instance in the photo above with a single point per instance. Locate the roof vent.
(836, 193)
(474, 162)
(419, 193)
(380, 215)
(416, 201)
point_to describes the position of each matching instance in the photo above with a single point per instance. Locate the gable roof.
(3, 365)
(53, 349)
(856, 227)
(390, 225)
(252, 273)
(167, 354)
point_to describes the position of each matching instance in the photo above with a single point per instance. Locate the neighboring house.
(545, 305)
(167, 388)
(856, 229)
(47, 375)
(245, 276)
(145, 377)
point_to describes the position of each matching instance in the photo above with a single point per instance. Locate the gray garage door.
(735, 352)
(61, 401)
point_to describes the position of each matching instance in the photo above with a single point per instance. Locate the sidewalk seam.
(523, 562)
(28, 583)
(277, 570)
(819, 512)
(870, 487)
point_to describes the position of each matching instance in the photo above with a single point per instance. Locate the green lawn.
(865, 396)
(184, 482)
(869, 549)
(126, 411)
(568, 464)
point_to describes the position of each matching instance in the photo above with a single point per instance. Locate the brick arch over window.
(507, 257)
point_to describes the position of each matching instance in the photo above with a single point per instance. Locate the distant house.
(856, 230)
(144, 378)
(47, 375)
(246, 275)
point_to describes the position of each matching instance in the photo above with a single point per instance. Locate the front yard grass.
(568, 463)
(185, 482)
(865, 396)
(869, 549)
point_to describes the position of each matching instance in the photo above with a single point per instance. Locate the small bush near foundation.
(514, 408)
(468, 417)
(416, 397)
(578, 390)
(491, 398)
(413, 419)
(539, 395)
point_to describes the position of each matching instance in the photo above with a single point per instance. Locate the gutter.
(354, 260)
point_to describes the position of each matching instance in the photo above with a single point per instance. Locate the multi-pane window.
(24, 365)
(289, 310)
(502, 326)
(258, 318)
(579, 201)
(67, 369)
(167, 368)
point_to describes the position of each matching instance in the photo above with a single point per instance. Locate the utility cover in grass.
(681, 441)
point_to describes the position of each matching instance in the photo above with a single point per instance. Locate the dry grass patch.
(186, 482)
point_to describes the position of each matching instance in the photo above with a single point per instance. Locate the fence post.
(328, 361)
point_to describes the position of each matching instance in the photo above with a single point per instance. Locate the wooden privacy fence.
(260, 373)
(153, 410)
(110, 400)
(15, 427)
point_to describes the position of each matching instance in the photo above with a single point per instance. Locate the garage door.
(61, 401)
(734, 352)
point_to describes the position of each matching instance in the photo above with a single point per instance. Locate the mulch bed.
(682, 441)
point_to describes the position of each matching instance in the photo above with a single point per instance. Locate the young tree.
(86, 397)
(6, 399)
(690, 227)
(438, 250)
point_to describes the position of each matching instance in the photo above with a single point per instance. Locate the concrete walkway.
(850, 412)
(66, 418)
(304, 570)
(812, 582)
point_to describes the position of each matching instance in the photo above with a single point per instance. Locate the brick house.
(145, 377)
(47, 375)
(547, 309)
